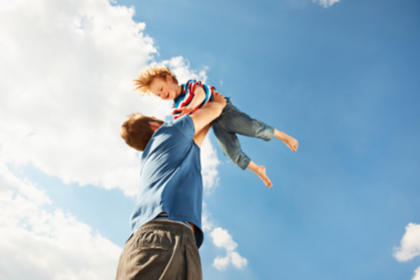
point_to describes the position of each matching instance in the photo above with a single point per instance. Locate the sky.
(341, 76)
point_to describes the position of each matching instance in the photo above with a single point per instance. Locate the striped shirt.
(187, 95)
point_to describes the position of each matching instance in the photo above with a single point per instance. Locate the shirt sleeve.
(185, 125)
(208, 90)
(189, 94)
(183, 100)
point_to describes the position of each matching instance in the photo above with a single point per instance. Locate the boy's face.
(164, 88)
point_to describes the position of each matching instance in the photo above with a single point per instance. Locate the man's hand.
(210, 111)
(218, 98)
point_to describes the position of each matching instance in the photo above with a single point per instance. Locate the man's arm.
(199, 136)
(206, 114)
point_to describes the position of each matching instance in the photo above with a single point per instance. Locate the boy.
(193, 95)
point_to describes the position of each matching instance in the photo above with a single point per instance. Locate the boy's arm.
(206, 114)
(199, 96)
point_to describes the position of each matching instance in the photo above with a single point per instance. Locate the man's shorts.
(160, 249)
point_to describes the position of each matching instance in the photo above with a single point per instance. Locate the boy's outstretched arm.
(199, 96)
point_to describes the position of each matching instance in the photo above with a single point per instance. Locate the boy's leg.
(260, 171)
(229, 143)
(290, 141)
(239, 122)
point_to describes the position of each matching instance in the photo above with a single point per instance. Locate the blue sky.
(341, 78)
(344, 81)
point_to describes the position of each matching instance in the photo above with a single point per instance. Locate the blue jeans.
(232, 122)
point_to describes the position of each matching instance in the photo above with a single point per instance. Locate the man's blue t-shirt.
(170, 177)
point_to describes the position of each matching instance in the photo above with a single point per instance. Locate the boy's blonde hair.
(145, 78)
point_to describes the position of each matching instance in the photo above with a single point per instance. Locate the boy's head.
(159, 81)
(138, 129)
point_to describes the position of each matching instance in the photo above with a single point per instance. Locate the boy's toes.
(263, 176)
(293, 146)
(268, 182)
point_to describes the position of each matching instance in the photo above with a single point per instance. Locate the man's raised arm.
(199, 136)
(205, 115)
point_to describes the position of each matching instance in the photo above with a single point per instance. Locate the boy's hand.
(186, 111)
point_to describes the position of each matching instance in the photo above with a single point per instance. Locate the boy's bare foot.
(290, 142)
(263, 176)
(260, 171)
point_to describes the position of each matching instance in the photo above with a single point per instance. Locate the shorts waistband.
(164, 217)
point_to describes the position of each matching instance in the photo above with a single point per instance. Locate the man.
(166, 222)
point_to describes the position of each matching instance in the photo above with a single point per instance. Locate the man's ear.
(154, 125)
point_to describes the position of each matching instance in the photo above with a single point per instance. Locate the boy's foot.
(260, 171)
(290, 142)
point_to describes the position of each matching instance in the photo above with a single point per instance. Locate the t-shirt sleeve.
(189, 93)
(208, 90)
(185, 125)
(186, 98)
(209, 94)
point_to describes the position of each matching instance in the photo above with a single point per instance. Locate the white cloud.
(326, 3)
(410, 244)
(182, 70)
(209, 163)
(39, 244)
(222, 239)
(417, 274)
(67, 69)
(207, 224)
(221, 263)
(237, 260)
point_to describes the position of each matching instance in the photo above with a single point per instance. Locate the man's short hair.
(136, 131)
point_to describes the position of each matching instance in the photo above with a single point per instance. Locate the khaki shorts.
(160, 250)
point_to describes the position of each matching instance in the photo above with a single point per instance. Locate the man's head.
(138, 129)
(159, 81)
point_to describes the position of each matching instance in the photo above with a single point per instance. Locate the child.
(191, 96)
